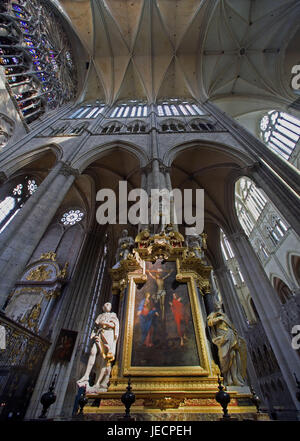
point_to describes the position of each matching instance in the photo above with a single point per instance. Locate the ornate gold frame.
(199, 328)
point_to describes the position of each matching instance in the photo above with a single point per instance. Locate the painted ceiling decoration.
(153, 49)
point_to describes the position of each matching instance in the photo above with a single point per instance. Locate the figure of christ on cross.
(161, 292)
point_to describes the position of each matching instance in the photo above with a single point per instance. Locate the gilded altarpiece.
(25, 319)
(163, 346)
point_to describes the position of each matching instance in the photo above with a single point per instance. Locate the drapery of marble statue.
(125, 245)
(231, 349)
(104, 339)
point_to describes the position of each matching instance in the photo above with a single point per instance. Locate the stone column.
(145, 185)
(285, 200)
(144, 179)
(155, 174)
(230, 298)
(22, 235)
(268, 309)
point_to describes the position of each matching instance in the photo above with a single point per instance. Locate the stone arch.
(114, 126)
(29, 173)
(199, 124)
(282, 289)
(243, 158)
(172, 125)
(206, 163)
(233, 162)
(293, 264)
(81, 162)
(16, 163)
(136, 126)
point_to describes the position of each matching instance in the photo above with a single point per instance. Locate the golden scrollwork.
(63, 273)
(39, 274)
(50, 255)
(143, 239)
(31, 319)
(119, 275)
(52, 293)
(37, 289)
(163, 403)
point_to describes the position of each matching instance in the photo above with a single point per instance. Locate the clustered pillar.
(264, 298)
(22, 235)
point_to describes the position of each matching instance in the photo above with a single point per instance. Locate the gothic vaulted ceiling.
(224, 50)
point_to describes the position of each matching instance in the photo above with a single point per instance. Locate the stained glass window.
(281, 132)
(177, 107)
(250, 203)
(37, 57)
(87, 112)
(129, 109)
(12, 204)
(72, 217)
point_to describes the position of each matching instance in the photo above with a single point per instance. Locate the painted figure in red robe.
(180, 317)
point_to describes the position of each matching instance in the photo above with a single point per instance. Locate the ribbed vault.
(216, 49)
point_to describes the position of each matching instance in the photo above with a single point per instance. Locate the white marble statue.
(104, 338)
(231, 349)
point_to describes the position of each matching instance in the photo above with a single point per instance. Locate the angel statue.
(104, 339)
(231, 349)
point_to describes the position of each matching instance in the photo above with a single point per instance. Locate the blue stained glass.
(17, 8)
(17, 14)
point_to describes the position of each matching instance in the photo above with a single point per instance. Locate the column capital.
(67, 170)
(164, 168)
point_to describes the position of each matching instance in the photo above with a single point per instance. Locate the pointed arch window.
(226, 247)
(114, 112)
(13, 203)
(87, 112)
(281, 132)
(250, 202)
(133, 112)
(121, 110)
(174, 110)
